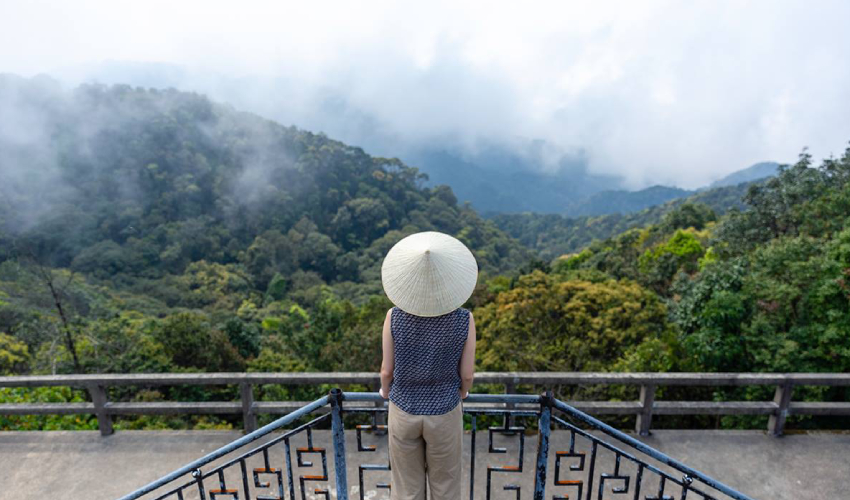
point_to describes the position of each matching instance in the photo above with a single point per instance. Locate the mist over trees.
(159, 202)
(147, 230)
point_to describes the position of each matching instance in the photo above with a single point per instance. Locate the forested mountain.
(156, 231)
(624, 202)
(152, 211)
(552, 235)
(123, 181)
(764, 289)
(492, 175)
(497, 179)
(753, 173)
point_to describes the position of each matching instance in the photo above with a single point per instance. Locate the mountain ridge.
(116, 180)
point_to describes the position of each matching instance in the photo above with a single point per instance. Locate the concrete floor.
(84, 465)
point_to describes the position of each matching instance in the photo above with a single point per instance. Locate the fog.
(676, 93)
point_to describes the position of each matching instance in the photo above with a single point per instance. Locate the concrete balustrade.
(98, 384)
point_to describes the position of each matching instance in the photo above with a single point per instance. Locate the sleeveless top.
(426, 370)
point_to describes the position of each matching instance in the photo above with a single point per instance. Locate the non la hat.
(429, 273)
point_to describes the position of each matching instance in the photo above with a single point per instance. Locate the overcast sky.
(659, 92)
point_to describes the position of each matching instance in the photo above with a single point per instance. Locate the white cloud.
(675, 92)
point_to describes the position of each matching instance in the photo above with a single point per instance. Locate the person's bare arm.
(467, 360)
(388, 362)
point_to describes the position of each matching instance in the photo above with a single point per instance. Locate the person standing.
(428, 366)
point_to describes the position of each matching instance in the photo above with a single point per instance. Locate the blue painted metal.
(614, 479)
(336, 397)
(544, 427)
(648, 450)
(472, 457)
(515, 469)
(224, 450)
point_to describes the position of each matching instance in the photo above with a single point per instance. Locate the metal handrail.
(224, 450)
(546, 404)
(643, 448)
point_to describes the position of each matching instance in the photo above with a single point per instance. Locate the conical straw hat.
(429, 274)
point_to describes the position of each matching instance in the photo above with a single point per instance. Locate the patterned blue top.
(426, 350)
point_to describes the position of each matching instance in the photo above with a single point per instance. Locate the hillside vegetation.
(155, 231)
(763, 289)
(552, 235)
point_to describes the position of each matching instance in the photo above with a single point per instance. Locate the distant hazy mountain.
(552, 235)
(499, 180)
(749, 174)
(494, 178)
(624, 202)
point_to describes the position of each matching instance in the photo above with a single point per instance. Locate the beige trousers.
(425, 445)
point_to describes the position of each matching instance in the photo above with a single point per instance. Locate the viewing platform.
(83, 465)
(531, 446)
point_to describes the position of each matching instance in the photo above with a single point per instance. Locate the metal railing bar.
(657, 455)
(262, 431)
(623, 453)
(250, 453)
(271, 443)
(472, 398)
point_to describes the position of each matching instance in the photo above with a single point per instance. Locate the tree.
(658, 265)
(695, 215)
(191, 341)
(14, 355)
(57, 294)
(545, 323)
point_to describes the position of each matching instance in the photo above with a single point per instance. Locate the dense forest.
(553, 235)
(151, 230)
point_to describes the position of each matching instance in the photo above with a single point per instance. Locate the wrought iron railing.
(598, 461)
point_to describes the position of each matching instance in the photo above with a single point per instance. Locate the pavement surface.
(84, 465)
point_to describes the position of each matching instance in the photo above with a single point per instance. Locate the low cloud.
(655, 92)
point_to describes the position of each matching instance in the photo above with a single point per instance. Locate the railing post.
(644, 418)
(510, 388)
(249, 417)
(338, 430)
(782, 397)
(379, 417)
(543, 424)
(104, 419)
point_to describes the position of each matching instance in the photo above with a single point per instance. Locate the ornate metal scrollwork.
(519, 430)
(660, 494)
(578, 484)
(299, 454)
(616, 476)
(370, 448)
(634, 479)
(268, 470)
(223, 489)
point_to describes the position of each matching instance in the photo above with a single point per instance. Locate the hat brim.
(429, 274)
